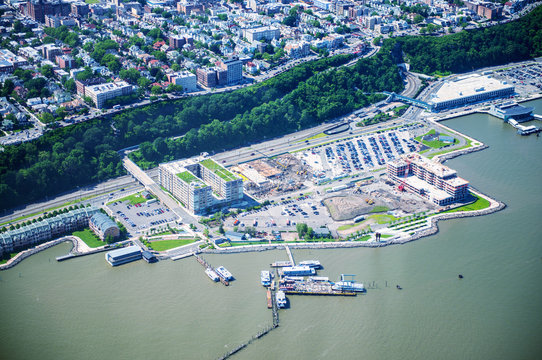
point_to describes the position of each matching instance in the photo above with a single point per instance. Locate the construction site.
(274, 176)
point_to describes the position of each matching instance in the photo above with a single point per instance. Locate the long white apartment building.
(200, 183)
(102, 92)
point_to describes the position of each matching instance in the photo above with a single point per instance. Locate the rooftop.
(187, 177)
(219, 170)
(467, 86)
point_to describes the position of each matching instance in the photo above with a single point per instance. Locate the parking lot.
(142, 216)
(361, 153)
(526, 78)
(285, 215)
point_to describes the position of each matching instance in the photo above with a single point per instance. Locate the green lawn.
(12, 255)
(382, 219)
(92, 1)
(378, 209)
(162, 245)
(435, 144)
(187, 177)
(479, 204)
(317, 136)
(217, 169)
(469, 144)
(133, 199)
(89, 238)
(386, 236)
(364, 238)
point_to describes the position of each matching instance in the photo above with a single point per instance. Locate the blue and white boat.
(224, 273)
(265, 278)
(298, 271)
(348, 285)
(311, 263)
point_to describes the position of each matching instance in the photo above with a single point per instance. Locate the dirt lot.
(355, 202)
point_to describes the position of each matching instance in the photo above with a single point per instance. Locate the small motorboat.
(399, 287)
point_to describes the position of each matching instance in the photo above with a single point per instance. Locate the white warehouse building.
(469, 89)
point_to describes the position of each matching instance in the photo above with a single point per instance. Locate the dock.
(206, 265)
(289, 252)
(308, 287)
(74, 255)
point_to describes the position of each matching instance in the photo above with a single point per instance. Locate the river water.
(84, 309)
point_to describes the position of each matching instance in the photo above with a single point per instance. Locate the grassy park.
(479, 204)
(89, 238)
(163, 245)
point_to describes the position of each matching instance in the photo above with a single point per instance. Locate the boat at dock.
(315, 264)
(212, 275)
(347, 284)
(281, 264)
(298, 271)
(281, 299)
(265, 278)
(224, 273)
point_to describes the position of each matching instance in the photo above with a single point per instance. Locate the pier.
(290, 255)
(206, 265)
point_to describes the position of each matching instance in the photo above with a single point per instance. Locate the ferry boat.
(212, 275)
(281, 299)
(348, 284)
(224, 273)
(298, 271)
(265, 278)
(311, 263)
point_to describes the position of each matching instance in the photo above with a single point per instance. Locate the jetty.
(206, 265)
(289, 252)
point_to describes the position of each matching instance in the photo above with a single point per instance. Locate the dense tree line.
(87, 153)
(473, 49)
(323, 96)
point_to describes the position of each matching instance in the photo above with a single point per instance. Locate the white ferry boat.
(298, 271)
(212, 275)
(265, 278)
(311, 263)
(281, 299)
(224, 273)
(348, 284)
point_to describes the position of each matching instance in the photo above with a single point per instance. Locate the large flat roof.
(467, 86)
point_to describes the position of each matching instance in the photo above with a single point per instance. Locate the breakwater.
(24, 254)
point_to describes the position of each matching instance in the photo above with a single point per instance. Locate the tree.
(156, 89)
(221, 229)
(47, 71)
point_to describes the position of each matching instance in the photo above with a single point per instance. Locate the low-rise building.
(9, 61)
(103, 226)
(45, 230)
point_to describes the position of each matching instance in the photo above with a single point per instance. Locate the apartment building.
(103, 92)
(431, 180)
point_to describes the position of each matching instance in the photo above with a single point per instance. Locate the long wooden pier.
(206, 265)
(289, 252)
